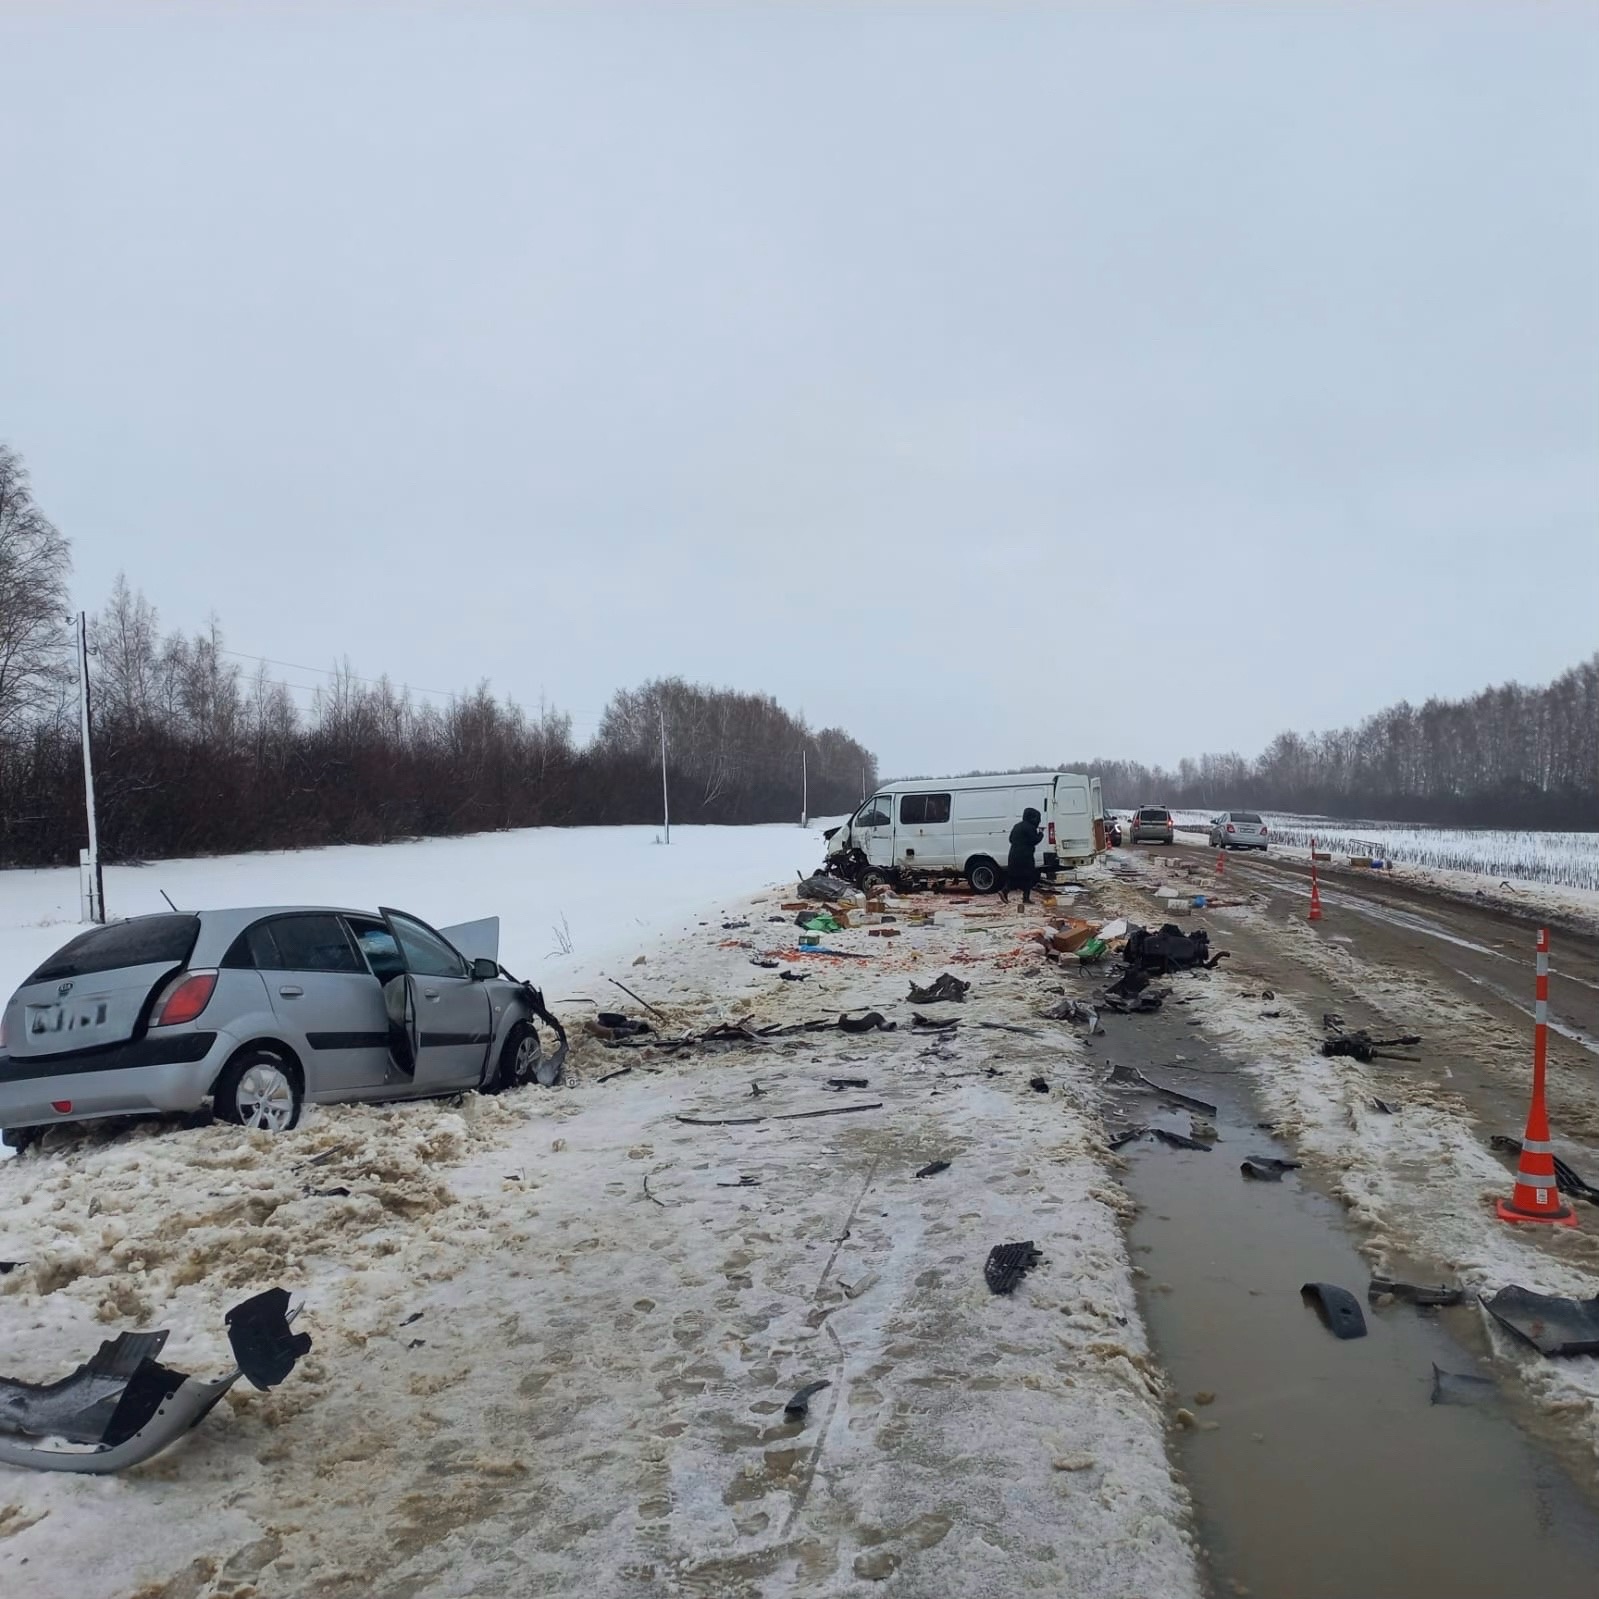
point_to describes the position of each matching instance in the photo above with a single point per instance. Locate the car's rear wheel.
(519, 1059)
(983, 874)
(259, 1088)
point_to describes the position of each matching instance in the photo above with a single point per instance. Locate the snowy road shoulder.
(530, 1373)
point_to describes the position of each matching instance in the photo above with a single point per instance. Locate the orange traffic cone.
(1315, 896)
(1535, 1196)
(1221, 863)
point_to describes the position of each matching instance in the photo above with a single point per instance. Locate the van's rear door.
(96, 990)
(1096, 808)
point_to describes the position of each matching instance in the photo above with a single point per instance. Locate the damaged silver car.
(258, 1012)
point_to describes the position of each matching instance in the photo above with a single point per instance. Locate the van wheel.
(17, 1139)
(259, 1088)
(874, 877)
(983, 874)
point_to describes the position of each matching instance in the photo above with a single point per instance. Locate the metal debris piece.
(1267, 1168)
(1363, 1047)
(934, 1024)
(1131, 1077)
(944, 989)
(1179, 1140)
(1412, 1295)
(787, 1116)
(1007, 1264)
(933, 1168)
(1125, 1136)
(1461, 1388)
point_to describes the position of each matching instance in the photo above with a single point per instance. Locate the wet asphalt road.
(1479, 954)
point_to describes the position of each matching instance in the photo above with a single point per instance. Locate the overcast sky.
(1004, 383)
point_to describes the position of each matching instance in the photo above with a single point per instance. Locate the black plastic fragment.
(1039, 1085)
(1337, 1307)
(148, 1389)
(793, 977)
(1383, 1106)
(933, 1168)
(1552, 1325)
(1267, 1168)
(870, 1022)
(801, 1402)
(1178, 1140)
(1461, 1388)
(848, 1082)
(258, 1329)
(1007, 1264)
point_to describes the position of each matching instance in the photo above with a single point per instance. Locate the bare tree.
(34, 562)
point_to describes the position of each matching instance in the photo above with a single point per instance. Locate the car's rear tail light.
(1231, 828)
(1052, 832)
(184, 998)
(63, 1106)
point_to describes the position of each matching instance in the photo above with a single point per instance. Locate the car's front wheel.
(519, 1059)
(259, 1088)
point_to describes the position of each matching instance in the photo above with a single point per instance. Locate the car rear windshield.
(163, 940)
(1248, 817)
(1152, 815)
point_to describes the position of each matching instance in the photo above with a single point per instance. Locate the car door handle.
(430, 993)
(291, 991)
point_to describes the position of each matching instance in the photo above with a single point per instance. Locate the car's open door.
(447, 1016)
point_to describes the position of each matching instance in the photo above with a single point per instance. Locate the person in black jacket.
(1020, 869)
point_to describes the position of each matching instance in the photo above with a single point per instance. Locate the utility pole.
(805, 790)
(666, 804)
(91, 882)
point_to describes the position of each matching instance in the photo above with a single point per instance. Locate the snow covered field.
(1558, 860)
(530, 1373)
(608, 889)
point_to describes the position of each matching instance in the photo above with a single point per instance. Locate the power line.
(329, 671)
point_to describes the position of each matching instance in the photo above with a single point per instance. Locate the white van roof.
(917, 785)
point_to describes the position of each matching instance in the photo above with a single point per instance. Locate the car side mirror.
(483, 969)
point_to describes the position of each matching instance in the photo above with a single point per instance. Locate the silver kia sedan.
(256, 1012)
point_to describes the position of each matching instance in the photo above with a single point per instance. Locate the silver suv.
(258, 1011)
(1152, 824)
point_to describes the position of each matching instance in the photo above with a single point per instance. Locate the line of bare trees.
(193, 755)
(1507, 757)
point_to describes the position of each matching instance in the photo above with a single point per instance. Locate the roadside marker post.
(1221, 863)
(1535, 1197)
(1315, 887)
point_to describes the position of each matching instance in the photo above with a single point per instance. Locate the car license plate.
(80, 1018)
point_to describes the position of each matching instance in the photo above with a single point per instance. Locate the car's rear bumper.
(154, 1075)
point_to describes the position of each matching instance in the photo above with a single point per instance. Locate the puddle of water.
(1329, 1472)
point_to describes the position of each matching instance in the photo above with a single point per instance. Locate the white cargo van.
(960, 827)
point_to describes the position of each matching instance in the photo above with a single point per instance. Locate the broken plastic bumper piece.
(123, 1406)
